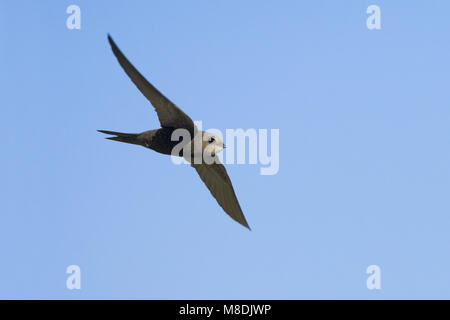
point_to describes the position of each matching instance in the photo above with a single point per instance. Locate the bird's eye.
(211, 140)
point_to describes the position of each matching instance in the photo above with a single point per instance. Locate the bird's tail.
(123, 137)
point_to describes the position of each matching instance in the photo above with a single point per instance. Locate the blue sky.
(364, 150)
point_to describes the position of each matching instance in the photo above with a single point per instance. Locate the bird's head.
(212, 144)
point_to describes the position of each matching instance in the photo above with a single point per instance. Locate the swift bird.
(172, 118)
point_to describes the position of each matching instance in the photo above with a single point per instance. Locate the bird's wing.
(168, 113)
(216, 179)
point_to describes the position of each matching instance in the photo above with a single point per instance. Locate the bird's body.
(198, 147)
(161, 140)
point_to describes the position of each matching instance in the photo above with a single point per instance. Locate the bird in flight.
(172, 120)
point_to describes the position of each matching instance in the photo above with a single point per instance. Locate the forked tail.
(122, 137)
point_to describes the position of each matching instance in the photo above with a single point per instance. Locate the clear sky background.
(364, 120)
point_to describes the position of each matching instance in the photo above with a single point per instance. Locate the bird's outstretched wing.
(216, 179)
(169, 114)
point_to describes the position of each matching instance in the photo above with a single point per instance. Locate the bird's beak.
(224, 146)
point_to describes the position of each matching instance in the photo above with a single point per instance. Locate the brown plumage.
(171, 117)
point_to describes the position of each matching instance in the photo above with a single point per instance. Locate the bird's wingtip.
(110, 40)
(245, 224)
